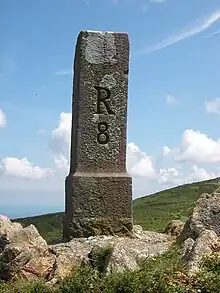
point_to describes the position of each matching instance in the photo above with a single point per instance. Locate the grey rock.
(69, 257)
(137, 231)
(194, 251)
(201, 231)
(108, 253)
(21, 247)
(174, 228)
(206, 216)
(38, 267)
(186, 249)
(7, 228)
(122, 258)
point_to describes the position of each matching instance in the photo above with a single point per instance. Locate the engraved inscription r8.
(103, 96)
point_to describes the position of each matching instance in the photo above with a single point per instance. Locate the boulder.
(38, 267)
(206, 216)
(20, 247)
(106, 258)
(69, 257)
(174, 228)
(116, 254)
(201, 231)
(7, 228)
(194, 250)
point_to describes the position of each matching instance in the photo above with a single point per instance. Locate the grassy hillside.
(152, 212)
(155, 211)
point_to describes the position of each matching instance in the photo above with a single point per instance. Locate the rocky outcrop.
(7, 227)
(205, 216)
(69, 257)
(201, 233)
(108, 253)
(19, 248)
(26, 254)
(195, 250)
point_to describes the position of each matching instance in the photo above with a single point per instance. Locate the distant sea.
(14, 212)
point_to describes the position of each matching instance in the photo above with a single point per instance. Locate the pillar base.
(98, 204)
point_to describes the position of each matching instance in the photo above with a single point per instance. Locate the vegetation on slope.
(152, 212)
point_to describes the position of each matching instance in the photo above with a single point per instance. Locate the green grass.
(156, 211)
(152, 212)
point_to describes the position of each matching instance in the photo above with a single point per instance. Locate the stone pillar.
(98, 188)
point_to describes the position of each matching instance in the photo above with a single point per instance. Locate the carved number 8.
(103, 136)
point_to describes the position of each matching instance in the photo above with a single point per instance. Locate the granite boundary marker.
(98, 188)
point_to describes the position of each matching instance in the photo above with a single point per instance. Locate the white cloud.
(168, 175)
(60, 142)
(2, 119)
(197, 147)
(61, 136)
(173, 176)
(64, 72)
(22, 168)
(61, 162)
(171, 100)
(187, 33)
(213, 106)
(138, 163)
(166, 151)
(197, 174)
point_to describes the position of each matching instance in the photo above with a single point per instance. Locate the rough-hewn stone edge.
(85, 227)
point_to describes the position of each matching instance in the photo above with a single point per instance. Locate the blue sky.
(174, 105)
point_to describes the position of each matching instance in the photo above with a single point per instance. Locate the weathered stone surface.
(21, 246)
(115, 258)
(187, 248)
(27, 255)
(201, 231)
(38, 267)
(7, 228)
(69, 257)
(194, 251)
(206, 216)
(137, 231)
(98, 188)
(174, 228)
(108, 253)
